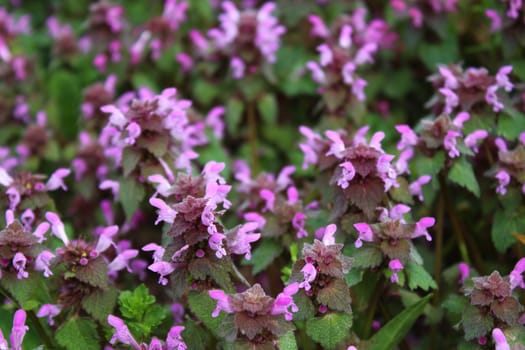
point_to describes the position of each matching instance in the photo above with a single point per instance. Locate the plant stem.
(372, 309)
(439, 244)
(252, 137)
(34, 321)
(240, 276)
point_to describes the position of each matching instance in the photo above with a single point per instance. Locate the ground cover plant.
(296, 174)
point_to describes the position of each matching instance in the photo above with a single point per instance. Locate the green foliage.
(330, 329)
(462, 174)
(418, 277)
(264, 254)
(202, 306)
(396, 329)
(476, 323)
(28, 292)
(131, 195)
(505, 224)
(64, 90)
(287, 342)
(268, 108)
(100, 303)
(140, 309)
(78, 333)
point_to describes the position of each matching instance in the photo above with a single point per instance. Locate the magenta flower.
(472, 139)
(500, 340)
(57, 227)
(395, 266)
(495, 19)
(163, 268)
(464, 272)
(43, 261)
(365, 234)
(421, 227)
(165, 212)
(223, 302)
(284, 303)
(309, 273)
(122, 333)
(504, 179)
(416, 187)
(49, 311)
(516, 276)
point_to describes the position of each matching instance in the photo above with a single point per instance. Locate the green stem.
(240, 276)
(439, 244)
(252, 137)
(35, 322)
(372, 308)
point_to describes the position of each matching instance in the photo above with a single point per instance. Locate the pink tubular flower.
(298, 223)
(163, 268)
(223, 302)
(395, 266)
(319, 29)
(416, 187)
(328, 234)
(504, 179)
(365, 234)
(269, 197)
(122, 260)
(495, 20)
(43, 261)
(408, 137)
(472, 139)
(122, 333)
(347, 174)
(502, 78)
(174, 339)
(492, 99)
(49, 311)
(500, 340)
(19, 263)
(284, 303)
(516, 276)
(241, 244)
(450, 144)
(309, 272)
(57, 227)
(464, 272)
(19, 330)
(56, 180)
(238, 67)
(112, 185)
(165, 212)
(421, 227)
(451, 99)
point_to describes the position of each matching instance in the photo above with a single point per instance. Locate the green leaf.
(65, 92)
(144, 80)
(268, 108)
(264, 254)
(100, 303)
(511, 124)
(429, 166)
(27, 290)
(233, 117)
(131, 194)
(133, 305)
(202, 306)
(287, 342)
(455, 303)
(475, 323)
(305, 305)
(195, 336)
(367, 256)
(330, 329)
(78, 333)
(462, 174)
(130, 159)
(418, 277)
(205, 92)
(353, 277)
(504, 225)
(395, 330)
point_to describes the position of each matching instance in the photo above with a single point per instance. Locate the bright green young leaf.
(330, 329)
(134, 304)
(396, 329)
(463, 175)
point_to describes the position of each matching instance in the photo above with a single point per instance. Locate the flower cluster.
(418, 10)
(250, 38)
(392, 237)
(350, 43)
(257, 318)
(151, 133)
(361, 171)
(197, 240)
(321, 272)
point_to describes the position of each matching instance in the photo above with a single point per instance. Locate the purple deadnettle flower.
(500, 340)
(395, 266)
